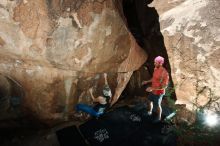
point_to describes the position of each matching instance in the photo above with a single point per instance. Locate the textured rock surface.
(191, 32)
(56, 50)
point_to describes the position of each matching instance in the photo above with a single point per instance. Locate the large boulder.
(192, 38)
(56, 50)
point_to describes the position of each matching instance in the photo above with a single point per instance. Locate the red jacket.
(159, 80)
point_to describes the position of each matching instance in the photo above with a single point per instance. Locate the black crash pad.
(125, 126)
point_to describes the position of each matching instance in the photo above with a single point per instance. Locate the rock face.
(191, 31)
(56, 50)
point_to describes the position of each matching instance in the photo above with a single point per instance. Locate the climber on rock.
(102, 102)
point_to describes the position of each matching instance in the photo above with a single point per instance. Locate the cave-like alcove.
(11, 95)
(133, 24)
(4, 93)
(143, 22)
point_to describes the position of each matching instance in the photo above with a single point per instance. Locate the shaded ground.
(198, 135)
(131, 118)
(128, 126)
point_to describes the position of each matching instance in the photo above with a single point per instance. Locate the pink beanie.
(159, 60)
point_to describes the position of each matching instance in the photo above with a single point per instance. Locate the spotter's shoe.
(149, 113)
